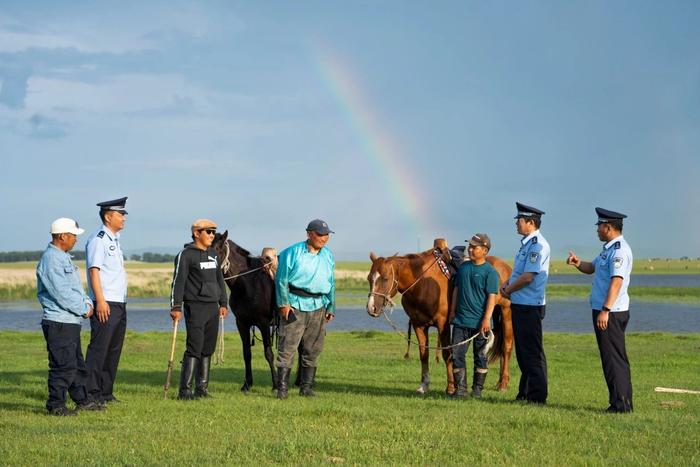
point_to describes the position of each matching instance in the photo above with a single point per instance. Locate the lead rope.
(219, 360)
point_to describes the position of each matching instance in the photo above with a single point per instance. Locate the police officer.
(526, 291)
(198, 288)
(107, 289)
(610, 304)
(305, 293)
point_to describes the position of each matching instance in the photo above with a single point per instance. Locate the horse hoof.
(422, 389)
(245, 388)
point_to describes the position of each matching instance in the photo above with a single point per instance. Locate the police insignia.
(534, 257)
(112, 248)
(617, 263)
(101, 234)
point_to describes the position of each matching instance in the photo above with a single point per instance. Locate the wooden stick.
(170, 361)
(676, 391)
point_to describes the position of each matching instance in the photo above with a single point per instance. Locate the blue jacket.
(59, 289)
(313, 273)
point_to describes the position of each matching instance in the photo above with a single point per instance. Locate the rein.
(388, 294)
(226, 264)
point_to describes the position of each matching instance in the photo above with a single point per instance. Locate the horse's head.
(232, 258)
(269, 257)
(219, 245)
(383, 284)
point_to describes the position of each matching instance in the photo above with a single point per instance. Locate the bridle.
(387, 296)
(226, 264)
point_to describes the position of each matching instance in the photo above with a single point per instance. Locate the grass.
(638, 293)
(366, 411)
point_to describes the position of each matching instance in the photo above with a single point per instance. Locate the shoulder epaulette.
(534, 240)
(617, 245)
(101, 234)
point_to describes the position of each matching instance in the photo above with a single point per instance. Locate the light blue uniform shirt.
(103, 251)
(533, 256)
(614, 261)
(59, 289)
(305, 270)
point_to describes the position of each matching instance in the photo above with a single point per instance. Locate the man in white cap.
(198, 288)
(64, 305)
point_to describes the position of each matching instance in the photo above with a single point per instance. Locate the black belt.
(304, 293)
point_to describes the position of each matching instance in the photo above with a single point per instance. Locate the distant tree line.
(16, 256)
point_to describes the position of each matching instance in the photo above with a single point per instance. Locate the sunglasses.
(209, 231)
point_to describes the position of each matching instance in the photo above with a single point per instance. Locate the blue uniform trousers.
(66, 365)
(527, 328)
(104, 350)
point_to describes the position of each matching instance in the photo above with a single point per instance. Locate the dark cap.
(114, 205)
(480, 239)
(319, 226)
(605, 216)
(527, 212)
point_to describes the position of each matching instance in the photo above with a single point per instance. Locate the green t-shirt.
(474, 284)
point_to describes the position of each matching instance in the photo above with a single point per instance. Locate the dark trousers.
(202, 323)
(613, 356)
(459, 353)
(309, 328)
(66, 365)
(527, 327)
(104, 350)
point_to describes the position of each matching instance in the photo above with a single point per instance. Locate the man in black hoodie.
(198, 288)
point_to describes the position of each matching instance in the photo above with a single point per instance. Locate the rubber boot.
(460, 376)
(478, 385)
(202, 378)
(308, 375)
(189, 365)
(282, 382)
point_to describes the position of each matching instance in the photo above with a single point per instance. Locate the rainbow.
(380, 146)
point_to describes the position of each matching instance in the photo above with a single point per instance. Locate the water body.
(561, 316)
(640, 280)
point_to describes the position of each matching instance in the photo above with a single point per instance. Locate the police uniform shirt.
(614, 261)
(533, 257)
(103, 251)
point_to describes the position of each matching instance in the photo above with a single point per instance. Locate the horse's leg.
(504, 376)
(423, 351)
(445, 341)
(244, 332)
(269, 354)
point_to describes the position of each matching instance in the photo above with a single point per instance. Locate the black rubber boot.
(189, 366)
(478, 385)
(282, 382)
(308, 375)
(460, 376)
(202, 378)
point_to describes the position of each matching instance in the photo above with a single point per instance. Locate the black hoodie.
(197, 278)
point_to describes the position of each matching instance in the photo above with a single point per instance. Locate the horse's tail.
(497, 350)
(407, 355)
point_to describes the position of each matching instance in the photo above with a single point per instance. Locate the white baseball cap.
(66, 225)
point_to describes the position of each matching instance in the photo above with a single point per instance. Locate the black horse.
(252, 298)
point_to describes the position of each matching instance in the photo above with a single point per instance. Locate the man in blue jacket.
(305, 292)
(64, 305)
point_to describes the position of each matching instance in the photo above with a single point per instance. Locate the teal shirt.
(312, 272)
(474, 284)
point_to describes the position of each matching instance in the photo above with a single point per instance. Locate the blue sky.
(218, 109)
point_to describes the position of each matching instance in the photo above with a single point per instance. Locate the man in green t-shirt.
(473, 300)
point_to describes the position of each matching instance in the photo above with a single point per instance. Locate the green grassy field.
(366, 411)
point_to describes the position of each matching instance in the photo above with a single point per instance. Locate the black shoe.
(478, 385)
(460, 377)
(90, 405)
(282, 382)
(189, 366)
(202, 378)
(308, 375)
(62, 411)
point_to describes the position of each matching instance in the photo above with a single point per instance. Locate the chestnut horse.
(425, 295)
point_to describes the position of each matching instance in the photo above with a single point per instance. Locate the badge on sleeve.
(112, 248)
(617, 262)
(534, 257)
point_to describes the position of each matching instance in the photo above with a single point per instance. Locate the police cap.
(527, 212)
(606, 215)
(114, 205)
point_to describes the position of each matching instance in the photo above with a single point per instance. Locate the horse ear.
(224, 236)
(372, 256)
